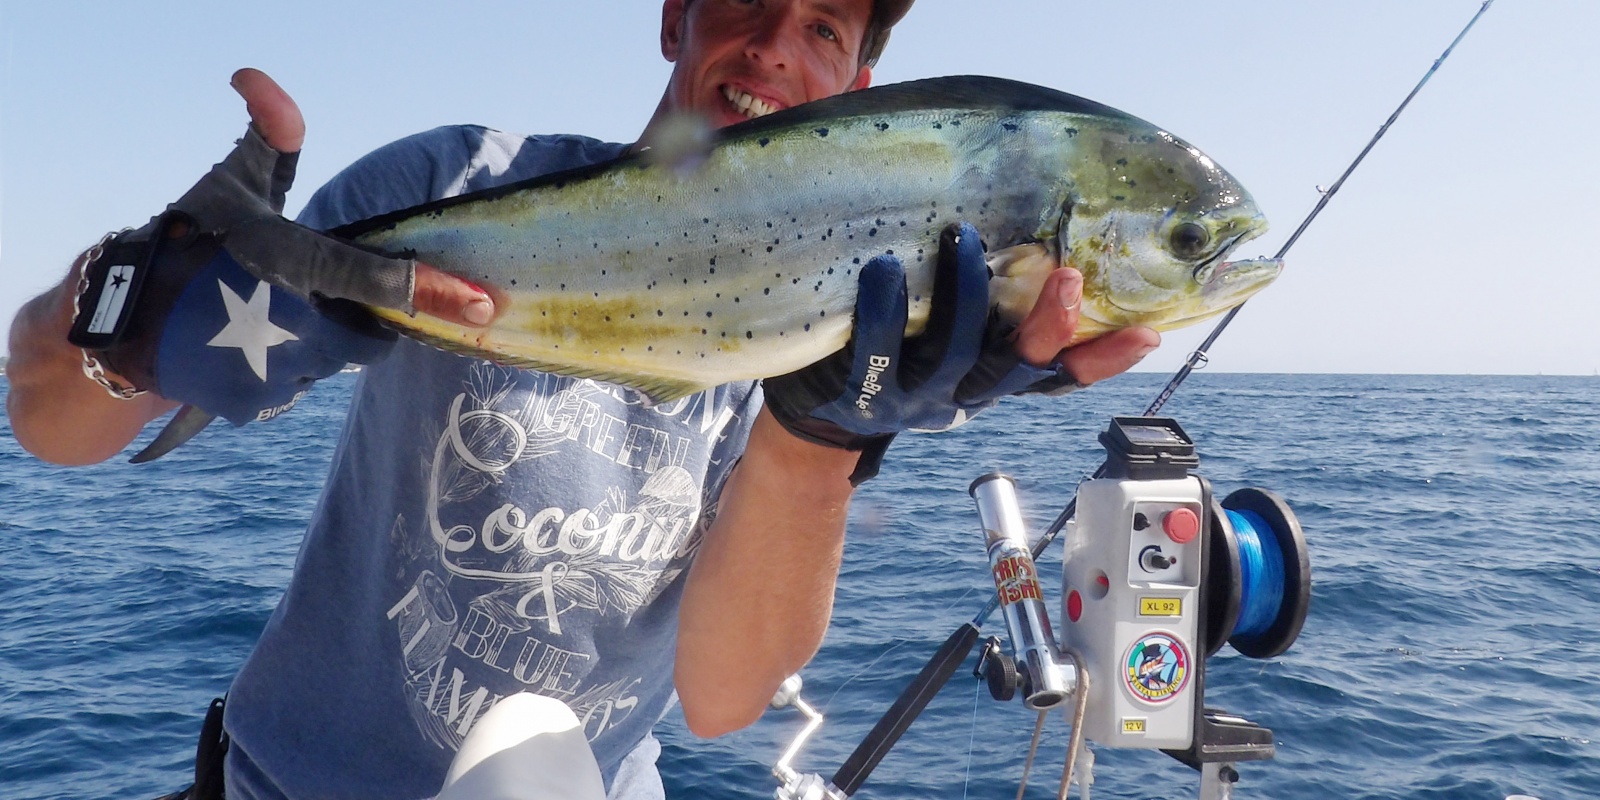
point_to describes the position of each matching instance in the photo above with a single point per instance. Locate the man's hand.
(62, 416)
(1041, 338)
(278, 120)
(881, 384)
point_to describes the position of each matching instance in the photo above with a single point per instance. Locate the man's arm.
(58, 413)
(760, 591)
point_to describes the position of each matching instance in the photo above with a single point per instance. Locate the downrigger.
(1158, 574)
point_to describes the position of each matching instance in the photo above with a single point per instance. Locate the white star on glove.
(248, 327)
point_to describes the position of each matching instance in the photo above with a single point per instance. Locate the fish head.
(1150, 226)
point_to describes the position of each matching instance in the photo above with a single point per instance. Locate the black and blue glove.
(882, 383)
(222, 304)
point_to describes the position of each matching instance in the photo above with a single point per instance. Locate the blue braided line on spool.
(1261, 562)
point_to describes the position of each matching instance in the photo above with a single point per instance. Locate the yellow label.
(1160, 606)
(1133, 724)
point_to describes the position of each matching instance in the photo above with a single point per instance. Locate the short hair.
(885, 13)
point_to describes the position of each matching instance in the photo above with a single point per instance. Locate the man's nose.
(773, 40)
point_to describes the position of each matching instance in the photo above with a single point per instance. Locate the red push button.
(1181, 525)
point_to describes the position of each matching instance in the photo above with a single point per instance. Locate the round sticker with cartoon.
(1157, 667)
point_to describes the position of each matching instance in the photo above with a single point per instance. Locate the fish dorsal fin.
(955, 93)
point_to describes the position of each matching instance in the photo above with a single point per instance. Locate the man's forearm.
(57, 413)
(761, 589)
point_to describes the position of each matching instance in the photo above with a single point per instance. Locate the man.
(488, 530)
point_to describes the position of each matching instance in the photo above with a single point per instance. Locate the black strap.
(209, 755)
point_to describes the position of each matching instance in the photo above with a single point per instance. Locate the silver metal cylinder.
(1016, 582)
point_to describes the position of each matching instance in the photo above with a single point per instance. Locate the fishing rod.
(1198, 356)
(954, 651)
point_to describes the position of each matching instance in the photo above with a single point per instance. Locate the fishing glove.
(882, 383)
(222, 304)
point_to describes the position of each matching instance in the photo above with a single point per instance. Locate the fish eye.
(1188, 240)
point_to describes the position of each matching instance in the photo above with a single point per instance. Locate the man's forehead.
(858, 10)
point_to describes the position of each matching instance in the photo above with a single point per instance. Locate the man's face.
(740, 59)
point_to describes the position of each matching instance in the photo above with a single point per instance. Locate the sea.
(1451, 650)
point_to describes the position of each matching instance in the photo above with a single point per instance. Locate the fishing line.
(1199, 355)
(972, 738)
(1261, 562)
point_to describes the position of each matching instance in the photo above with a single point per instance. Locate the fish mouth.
(748, 104)
(1231, 282)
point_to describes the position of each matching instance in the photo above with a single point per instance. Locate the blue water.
(1451, 650)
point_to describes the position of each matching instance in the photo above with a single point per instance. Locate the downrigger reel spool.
(1258, 575)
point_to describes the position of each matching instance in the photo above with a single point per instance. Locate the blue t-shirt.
(485, 530)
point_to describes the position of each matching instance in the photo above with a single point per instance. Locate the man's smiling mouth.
(747, 104)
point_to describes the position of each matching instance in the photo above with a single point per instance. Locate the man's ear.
(863, 79)
(672, 24)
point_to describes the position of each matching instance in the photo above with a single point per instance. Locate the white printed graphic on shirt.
(501, 579)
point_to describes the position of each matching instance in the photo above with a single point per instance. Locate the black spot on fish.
(708, 313)
(660, 313)
(1122, 162)
(563, 287)
(822, 132)
(808, 326)
(1010, 126)
(763, 141)
(856, 260)
(958, 209)
(767, 290)
(749, 334)
(873, 232)
(650, 348)
(882, 126)
(513, 281)
(713, 261)
(769, 248)
(938, 126)
(1118, 197)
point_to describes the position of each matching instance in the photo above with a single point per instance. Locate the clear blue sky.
(1465, 244)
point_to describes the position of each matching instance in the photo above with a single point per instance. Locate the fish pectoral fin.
(189, 421)
(1018, 277)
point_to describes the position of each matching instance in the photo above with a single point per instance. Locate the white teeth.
(748, 104)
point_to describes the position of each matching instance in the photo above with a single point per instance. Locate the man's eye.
(827, 32)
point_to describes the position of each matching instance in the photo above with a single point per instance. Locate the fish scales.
(746, 267)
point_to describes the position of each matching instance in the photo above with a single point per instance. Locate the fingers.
(1108, 355)
(439, 294)
(1049, 326)
(957, 317)
(271, 109)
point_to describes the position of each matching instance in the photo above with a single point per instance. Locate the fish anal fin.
(656, 388)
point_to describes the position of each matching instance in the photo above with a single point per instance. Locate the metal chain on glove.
(92, 368)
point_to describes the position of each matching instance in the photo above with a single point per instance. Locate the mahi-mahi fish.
(670, 281)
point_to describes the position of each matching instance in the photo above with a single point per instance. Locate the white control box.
(1131, 597)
